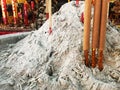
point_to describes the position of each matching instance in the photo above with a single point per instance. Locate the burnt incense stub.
(93, 58)
(86, 55)
(100, 60)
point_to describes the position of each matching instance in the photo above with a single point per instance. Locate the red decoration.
(14, 11)
(4, 11)
(25, 14)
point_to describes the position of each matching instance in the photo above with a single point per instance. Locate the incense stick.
(25, 14)
(14, 8)
(102, 33)
(46, 10)
(4, 11)
(50, 17)
(32, 8)
(87, 19)
(96, 30)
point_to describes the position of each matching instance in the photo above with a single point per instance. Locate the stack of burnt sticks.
(98, 32)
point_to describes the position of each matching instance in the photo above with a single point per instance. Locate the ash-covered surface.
(55, 62)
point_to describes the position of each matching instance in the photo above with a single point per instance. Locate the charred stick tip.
(93, 58)
(100, 60)
(86, 58)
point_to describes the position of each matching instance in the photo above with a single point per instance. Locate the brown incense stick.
(87, 19)
(96, 29)
(46, 10)
(102, 33)
(50, 17)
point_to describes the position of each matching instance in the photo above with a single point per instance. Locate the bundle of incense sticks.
(4, 11)
(98, 33)
(14, 8)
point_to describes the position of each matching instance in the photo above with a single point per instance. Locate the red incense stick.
(25, 14)
(4, 11)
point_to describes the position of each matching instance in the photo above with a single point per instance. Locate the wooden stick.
(102, 33)
(50, 16)
(46, 10)
(96, 30)
(4, 11)
(87, 26)
(14, 8)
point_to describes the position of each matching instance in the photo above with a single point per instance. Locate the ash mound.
(55, 62)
